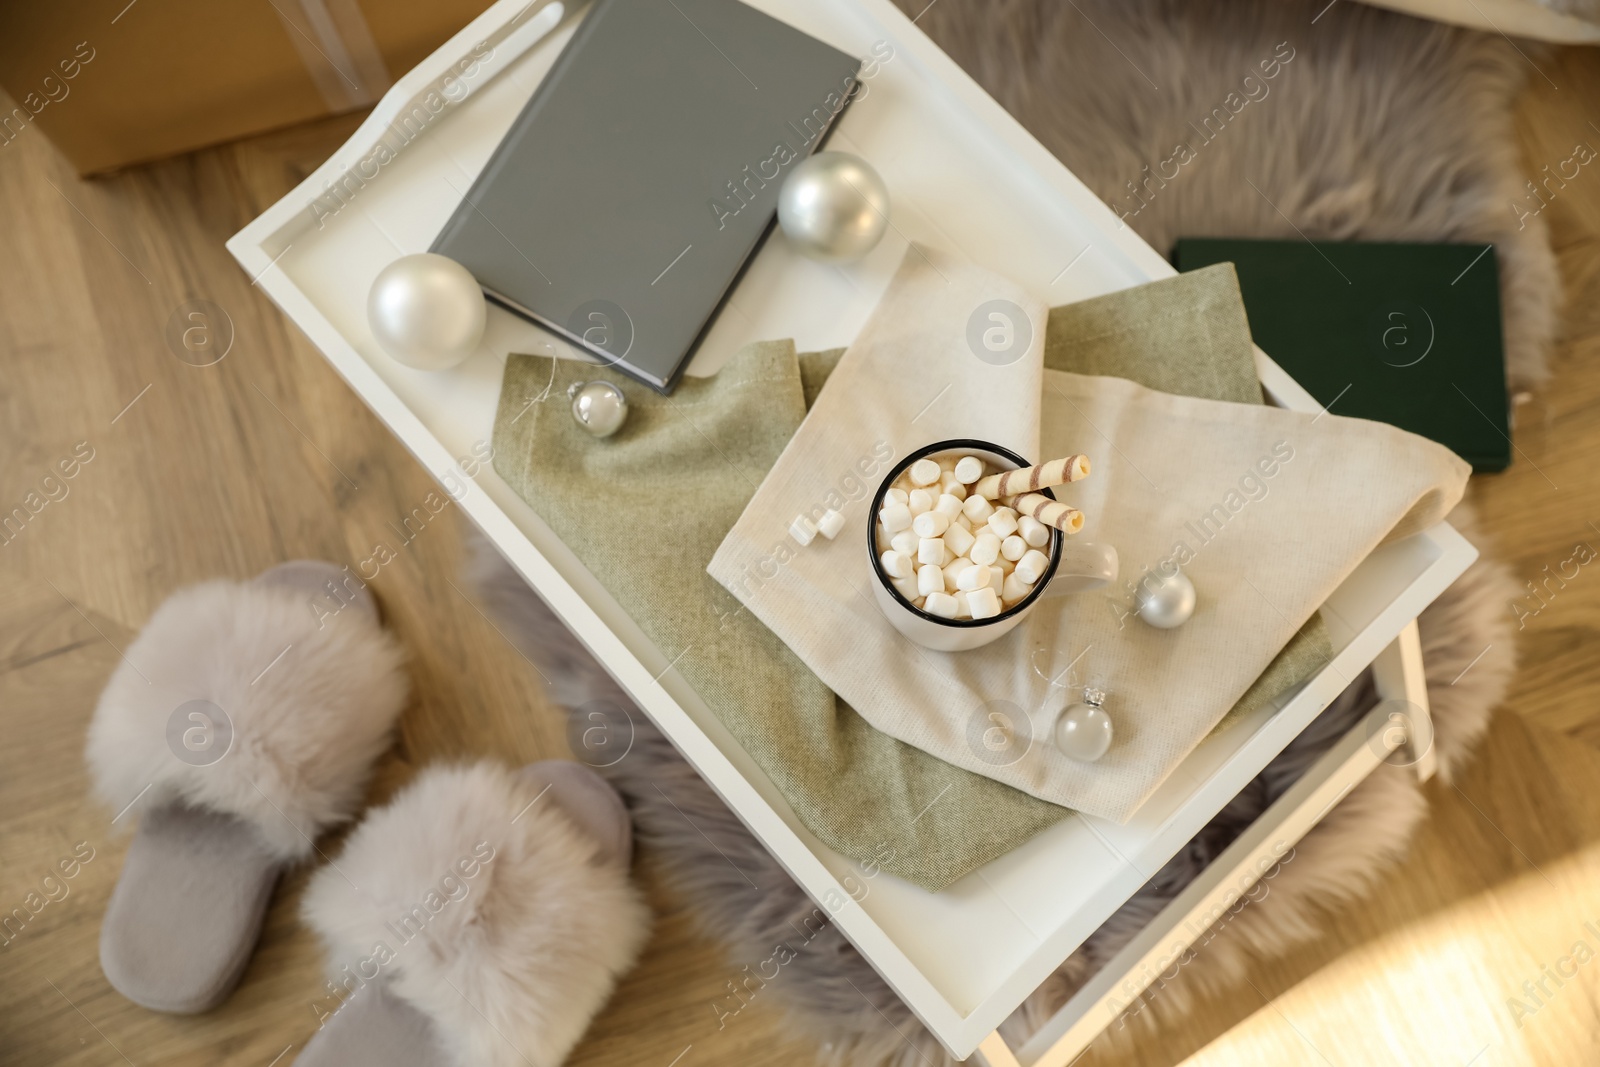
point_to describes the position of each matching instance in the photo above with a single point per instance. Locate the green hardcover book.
(1407, 334)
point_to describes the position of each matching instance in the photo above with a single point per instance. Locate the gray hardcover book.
(632, 190)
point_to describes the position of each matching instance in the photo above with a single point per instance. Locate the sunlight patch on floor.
(1509, 976)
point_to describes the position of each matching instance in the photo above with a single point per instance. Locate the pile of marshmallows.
(959, 542)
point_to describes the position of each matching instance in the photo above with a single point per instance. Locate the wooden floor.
(266, 456)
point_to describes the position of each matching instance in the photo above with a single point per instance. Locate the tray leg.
(994, 1052)
(1403, 687)
(1229, 884)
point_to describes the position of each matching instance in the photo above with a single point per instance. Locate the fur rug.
(1374, 126)
(1377, 126)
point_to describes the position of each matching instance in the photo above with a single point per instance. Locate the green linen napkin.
(696, 458)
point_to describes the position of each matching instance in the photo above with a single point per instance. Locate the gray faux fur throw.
(1374, 125)
(1378, 127)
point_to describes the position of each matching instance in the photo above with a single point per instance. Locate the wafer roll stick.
(1030, 479)
(1050, 512)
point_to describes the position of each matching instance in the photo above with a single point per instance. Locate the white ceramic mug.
(1074, 567)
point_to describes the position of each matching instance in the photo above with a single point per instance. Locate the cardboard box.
(112, 83)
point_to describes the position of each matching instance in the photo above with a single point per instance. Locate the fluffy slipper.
(484, 914)
(242, 722)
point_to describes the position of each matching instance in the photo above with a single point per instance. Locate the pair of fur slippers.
(481, 917)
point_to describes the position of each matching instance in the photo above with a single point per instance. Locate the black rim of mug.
(955, 445)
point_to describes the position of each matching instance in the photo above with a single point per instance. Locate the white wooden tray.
(963, 177)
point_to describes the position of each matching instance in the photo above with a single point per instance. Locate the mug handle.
(1084, 566)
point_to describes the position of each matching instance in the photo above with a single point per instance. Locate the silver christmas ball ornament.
(834, 207)
(1165, 598)
(599, 407)
(1083, 731)
(427, 311)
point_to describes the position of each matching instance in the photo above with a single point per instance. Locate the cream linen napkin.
(1266, 510)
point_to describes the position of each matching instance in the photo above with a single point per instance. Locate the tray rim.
(513, 26)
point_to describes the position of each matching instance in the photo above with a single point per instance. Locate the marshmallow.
(948, 548)
(959, 539)
(983, 603)
(1013, 590)
(977, 509)
(925, 472)
(1036, 533)
(830, 524)
(974, 577)
(895, 517)
(1003, 522)
(985, 548)
(802, 530)
(1031, 566)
